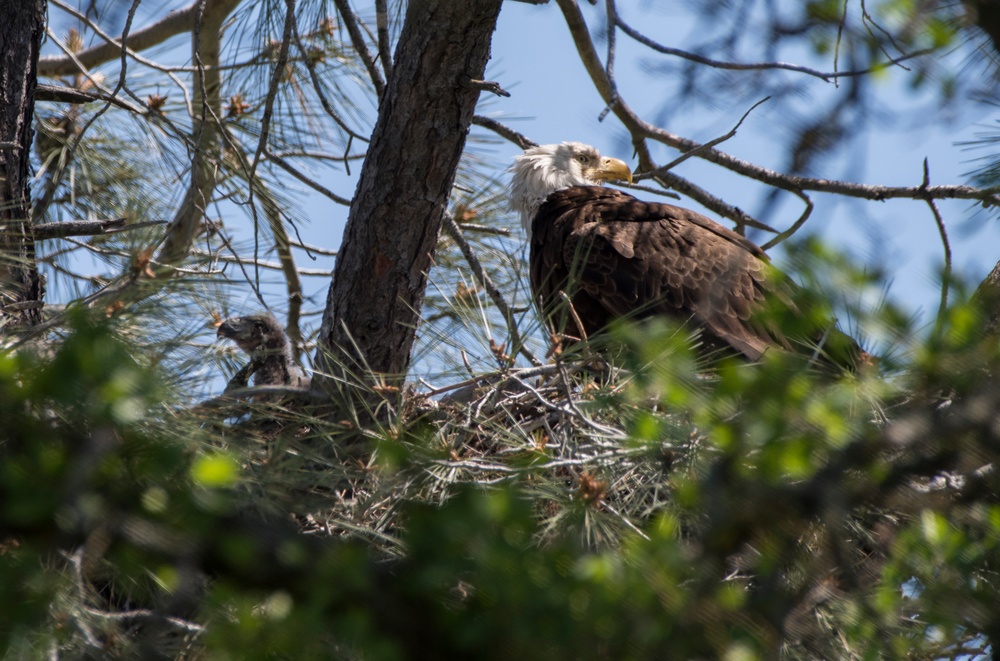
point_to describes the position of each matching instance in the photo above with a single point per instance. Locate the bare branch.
(707, 200)
(350, 21)
(76, 228)
(208, 106)
(484, 279)
(68, 95)
(490, 86)
(382, 28)
(830, 76)
(174, 23)
(272, 90)
(803, 217)
(711, 143)
(316, 186)
(641, 130)
(943, 232)
(321, 95)
(503, 131)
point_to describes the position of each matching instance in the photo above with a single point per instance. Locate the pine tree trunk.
(374, 302)
(21, 289)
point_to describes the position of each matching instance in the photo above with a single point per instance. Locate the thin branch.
(795, 226)
(316, 186)
(88, 227)
(640, 130)
(504, 131)
(382, 28)
(706, 199)
(840, 34)
(711, 143)
(831, 76)
(60, 94)
(272, 90)
(609, 66)
(321, 95)
(271, 266)
(174, 23)
(315, 249)
(943, 232)
(350, 21)
(484, 279)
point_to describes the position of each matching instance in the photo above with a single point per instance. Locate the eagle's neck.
(534, 178)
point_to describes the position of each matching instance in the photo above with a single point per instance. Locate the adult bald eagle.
(264, 340)
(615, 256)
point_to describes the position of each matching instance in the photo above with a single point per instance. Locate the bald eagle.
(613, 256)
(264, 340)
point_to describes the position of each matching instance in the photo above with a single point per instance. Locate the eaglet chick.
(264, 340)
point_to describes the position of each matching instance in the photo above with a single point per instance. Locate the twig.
(503, 131)
(573, 315)
(796, 225)
(382, 28)
(350, 21)
(316, 186)
(707, 200)
(324, 102)
(491, 289)
(943, 232)
(60, 94)
(272, 90)
(757, 66)
(609, 62)
(174, 23)
(711, 143)
(485, 86)
(640, 130)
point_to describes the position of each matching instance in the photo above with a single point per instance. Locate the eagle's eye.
(581, 158)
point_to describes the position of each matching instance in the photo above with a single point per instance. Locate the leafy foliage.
(654, 505)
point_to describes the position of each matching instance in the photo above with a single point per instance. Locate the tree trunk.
(21, 288)
(374, 302)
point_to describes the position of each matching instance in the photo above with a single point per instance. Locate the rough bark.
(21, 287)
(374, 302)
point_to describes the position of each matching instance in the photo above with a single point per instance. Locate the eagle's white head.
(542, 170)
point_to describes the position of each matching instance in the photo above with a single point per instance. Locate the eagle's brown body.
(619, 257)
(616, 257)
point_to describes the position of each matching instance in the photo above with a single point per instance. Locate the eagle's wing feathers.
(639, 259)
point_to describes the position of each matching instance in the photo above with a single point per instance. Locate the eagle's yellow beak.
(612, 169)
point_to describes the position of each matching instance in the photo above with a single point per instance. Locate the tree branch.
(360, 47)
(174, 23)
(759, 66)
(642, 130)
(484, 279)
(208, 107)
